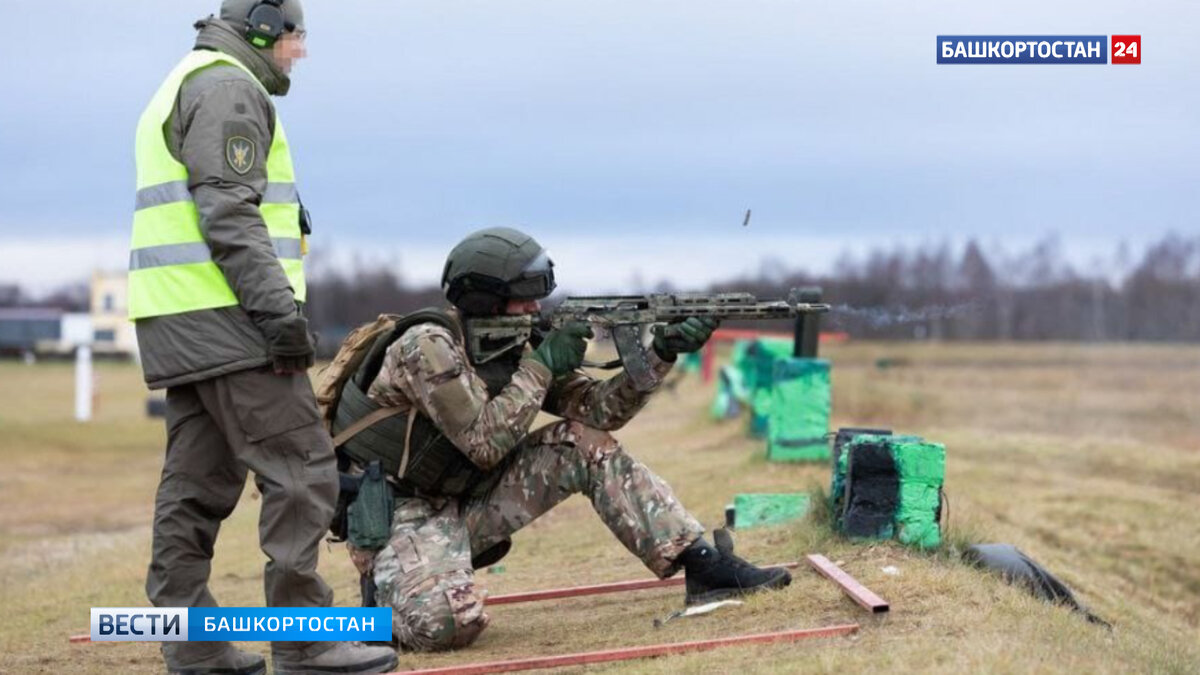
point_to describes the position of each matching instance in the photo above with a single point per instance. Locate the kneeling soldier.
(466, 470)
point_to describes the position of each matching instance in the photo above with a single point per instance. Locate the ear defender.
(265, 24)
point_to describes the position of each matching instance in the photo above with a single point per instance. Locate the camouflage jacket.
(428, 369)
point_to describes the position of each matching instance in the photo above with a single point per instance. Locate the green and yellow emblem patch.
(239, 152)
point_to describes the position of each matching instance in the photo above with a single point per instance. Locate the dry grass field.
(1086, 457)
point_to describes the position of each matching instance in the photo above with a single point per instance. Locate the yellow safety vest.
(171, 270)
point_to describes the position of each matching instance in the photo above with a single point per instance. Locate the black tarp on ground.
(1017, 568)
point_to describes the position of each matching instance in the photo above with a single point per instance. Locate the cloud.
(42, 263)
(652, 122)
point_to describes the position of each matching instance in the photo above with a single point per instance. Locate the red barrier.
(709, 355)
(555, 593)
(596, 589)
(628, 653)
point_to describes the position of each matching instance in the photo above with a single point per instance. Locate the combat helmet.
(492, 266)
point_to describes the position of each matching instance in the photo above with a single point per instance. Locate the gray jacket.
(213, 105)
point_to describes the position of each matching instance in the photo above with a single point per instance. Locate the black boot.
(716, 573)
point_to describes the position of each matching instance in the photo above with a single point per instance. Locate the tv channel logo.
(1127, 49)
(139, 624)
(247, 624)
(1039, 49)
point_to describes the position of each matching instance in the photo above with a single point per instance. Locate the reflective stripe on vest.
(171, 270)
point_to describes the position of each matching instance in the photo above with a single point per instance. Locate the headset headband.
(265, 23)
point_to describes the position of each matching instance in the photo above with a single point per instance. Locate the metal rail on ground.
(629, 653)
(857, 592)
(555, 593)
(597, 589)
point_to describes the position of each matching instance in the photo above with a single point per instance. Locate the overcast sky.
(630, 134)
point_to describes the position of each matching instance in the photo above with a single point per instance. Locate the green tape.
(690, 362)
(752, 510)
(758, 424)
(798, 411)
(922, 467)
(755, 360)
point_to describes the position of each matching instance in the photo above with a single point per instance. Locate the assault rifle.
(625, 317)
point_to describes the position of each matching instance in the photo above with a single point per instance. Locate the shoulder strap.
(365, 422)
(374, 361)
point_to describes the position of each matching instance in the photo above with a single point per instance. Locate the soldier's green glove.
(683, 337)
(563, 349)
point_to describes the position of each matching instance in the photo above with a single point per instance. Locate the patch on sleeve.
(455, 404)
(240, 153)
(439, 360)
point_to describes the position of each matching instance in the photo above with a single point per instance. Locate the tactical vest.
(171, 270)
(435, 466)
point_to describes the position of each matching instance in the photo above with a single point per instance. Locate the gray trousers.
(217, 430)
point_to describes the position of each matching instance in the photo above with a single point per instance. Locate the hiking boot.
(716, 573)
(353, 658)
(229, 661)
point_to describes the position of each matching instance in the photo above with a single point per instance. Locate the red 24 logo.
(1127, 49)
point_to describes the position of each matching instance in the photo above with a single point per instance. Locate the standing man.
(216, 284)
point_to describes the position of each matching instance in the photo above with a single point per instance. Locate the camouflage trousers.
(425, 572)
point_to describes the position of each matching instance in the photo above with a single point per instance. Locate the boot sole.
(725, 593)
(257, 669)
(377, 666)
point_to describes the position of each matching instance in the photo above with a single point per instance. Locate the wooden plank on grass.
(857, 592)
(628, 653)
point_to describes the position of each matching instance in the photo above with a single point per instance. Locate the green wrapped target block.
(731, 394)
(888, 487)
(798, 412)
(751, 510)
(757, 364)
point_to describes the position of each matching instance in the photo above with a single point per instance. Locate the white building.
(112, 331)
(48, 331)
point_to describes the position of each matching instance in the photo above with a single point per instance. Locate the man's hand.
(563, 349)
(291, 347)
(683, 337)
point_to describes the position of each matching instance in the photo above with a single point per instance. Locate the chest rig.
(409, 445)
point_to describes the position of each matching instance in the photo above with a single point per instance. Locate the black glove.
(682, 337)
(563, 349)
(291, 347)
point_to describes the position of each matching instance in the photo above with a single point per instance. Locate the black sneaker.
(717, 574)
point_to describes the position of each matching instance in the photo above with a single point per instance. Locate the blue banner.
(1022, 49)
(289, 624)
(245, 624)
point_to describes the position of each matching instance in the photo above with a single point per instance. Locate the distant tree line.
(929, 292)
(935, 293)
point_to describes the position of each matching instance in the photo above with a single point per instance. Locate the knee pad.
(448, 614)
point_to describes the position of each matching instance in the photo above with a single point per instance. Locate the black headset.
(265, 23)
